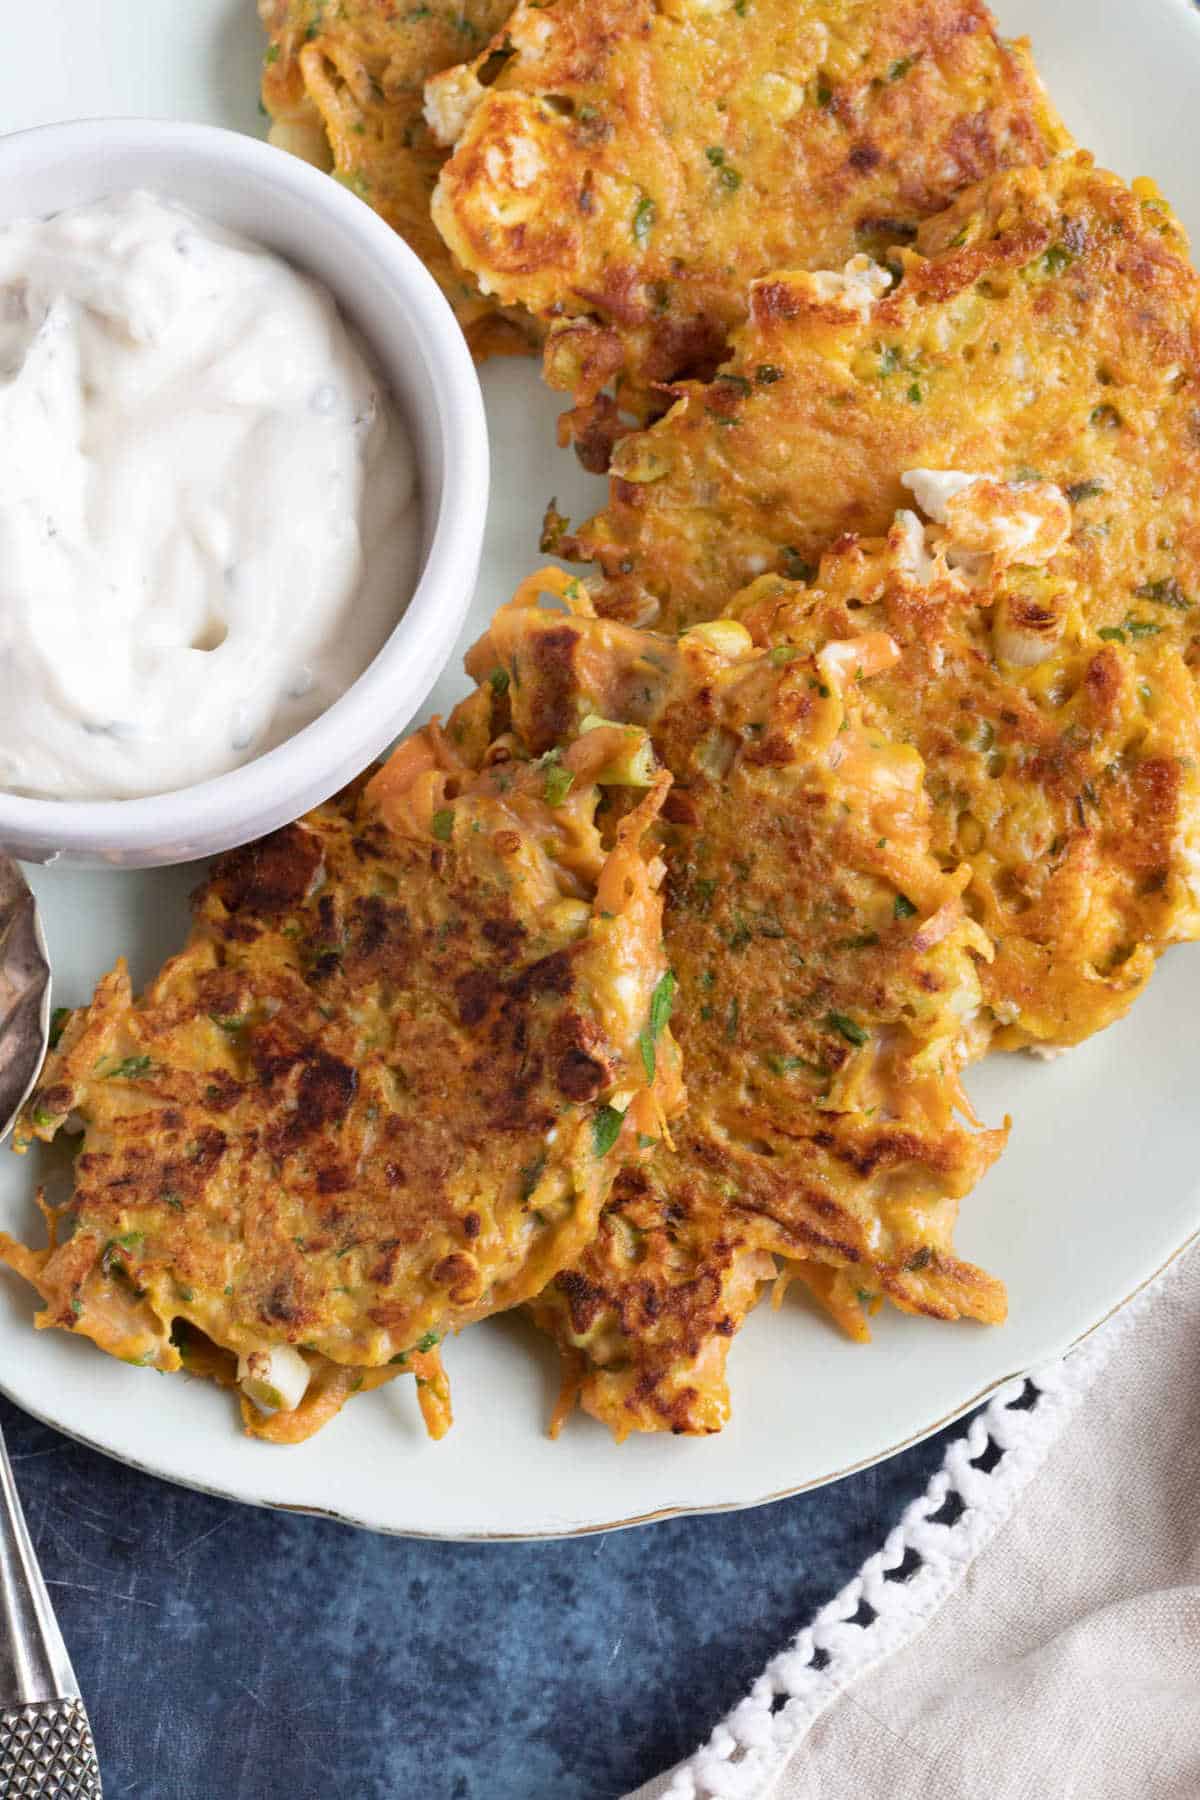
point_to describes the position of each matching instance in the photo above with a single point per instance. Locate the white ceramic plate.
(1100, 1185)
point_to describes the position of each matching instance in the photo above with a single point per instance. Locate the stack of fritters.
(871, 743)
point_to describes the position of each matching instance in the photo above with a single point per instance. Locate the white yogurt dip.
(208, 508)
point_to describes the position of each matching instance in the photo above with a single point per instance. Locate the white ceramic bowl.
(387, 294)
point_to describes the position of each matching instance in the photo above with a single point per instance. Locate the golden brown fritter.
(1063, 763)
(827, 986)
(342, 81)
(1046, 325)
(624, 170)
(383, 1092)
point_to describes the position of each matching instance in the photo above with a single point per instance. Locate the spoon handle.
(46, 1746)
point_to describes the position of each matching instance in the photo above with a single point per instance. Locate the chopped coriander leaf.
(715, 155)
(399, 1360)
(914, 393)
(230, 1022)
(58, 1024)
(645, 1142)
(903, 908)
(1140, 628)
(42, 1117)
(442, 824)
(785, 653)
(824, 91)
(900, 69)
(606, 1129)
(1083, 490)
(850, 1029)
(729, 179)
(558, 784)
(499, 681)
(428, 1342)
(271, 55)
(644, 215)
(77, 1307)
(1166, 592)
(889, 359)
(786, 1065)
(661, 1002)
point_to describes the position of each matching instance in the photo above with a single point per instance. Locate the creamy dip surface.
(208, 509)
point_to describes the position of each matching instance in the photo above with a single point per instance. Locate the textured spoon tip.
(24, 992)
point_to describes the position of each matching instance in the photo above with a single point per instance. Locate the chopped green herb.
(889, 359)
(606, 1129)
(172, 1200)
(729, 179)
(958, 240)
(649, 1057)
(58, 1024)
(914, 393)
(715, 155)
(271, 55)
(787, 1065)
(499, 681)
(900, 69)
(850, 1029)
(785, 653)
(824, 91)
(795, 567)
(442, 824)
(1140, 628)
(77, 1307)
(186, 1294)
(731, 1019)
(429, 1342)
(558, 784)
(1056, 259)
(42, 1117)
(903, 908)
(920, 1259)
(661, 1002)
(1166, 592)
(130, 1069)
(399, 1360)
(645, 1142)
(644, 215)
(1083, 490)
(531, 1174)
(230, 1022)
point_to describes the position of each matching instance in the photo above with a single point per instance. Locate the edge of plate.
(680, 1510)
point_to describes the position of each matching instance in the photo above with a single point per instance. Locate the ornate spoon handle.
(46, 1749)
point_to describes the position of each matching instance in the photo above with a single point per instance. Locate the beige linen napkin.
(1047, 1647)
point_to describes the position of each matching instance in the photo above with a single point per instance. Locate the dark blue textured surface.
(228, 1653)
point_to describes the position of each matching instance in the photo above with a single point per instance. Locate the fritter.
(1046, 325)
(383, 1092)
(343, 86)
(827, 980)
(624, 170)
(1063, 762)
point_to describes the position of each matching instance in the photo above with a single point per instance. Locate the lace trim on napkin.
(898, 1590)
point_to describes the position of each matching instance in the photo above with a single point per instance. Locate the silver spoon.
(46, 1746)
